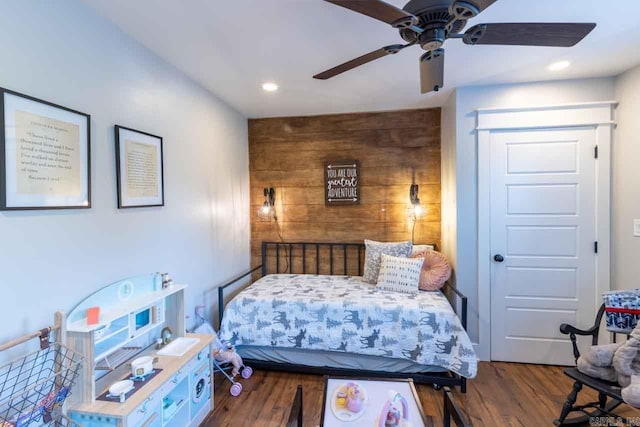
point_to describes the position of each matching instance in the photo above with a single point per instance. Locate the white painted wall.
(625, 267)
(65, 53)
(468, 100)
(448, 191)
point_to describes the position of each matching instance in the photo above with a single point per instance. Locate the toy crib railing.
(34, 387)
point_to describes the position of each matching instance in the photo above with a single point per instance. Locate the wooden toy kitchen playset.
(140, 367)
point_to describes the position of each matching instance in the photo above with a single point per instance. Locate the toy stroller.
(224, 355)
(224, 359)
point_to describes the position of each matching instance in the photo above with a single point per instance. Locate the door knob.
(498, 258)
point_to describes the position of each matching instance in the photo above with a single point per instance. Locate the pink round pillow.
(435, 270)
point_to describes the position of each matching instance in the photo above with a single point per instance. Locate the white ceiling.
(232, 46)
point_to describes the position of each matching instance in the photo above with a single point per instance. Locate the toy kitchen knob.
(176, 377)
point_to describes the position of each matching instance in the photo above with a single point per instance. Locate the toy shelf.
(117, 358)
(110, 314)
(116, 327)
(108, 346)
(175, 406)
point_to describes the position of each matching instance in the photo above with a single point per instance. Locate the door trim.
(600, 117)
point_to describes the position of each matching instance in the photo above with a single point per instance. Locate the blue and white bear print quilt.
(340, 313)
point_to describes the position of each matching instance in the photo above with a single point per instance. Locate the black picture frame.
(123, 202)
(5, 205)
(408, 381)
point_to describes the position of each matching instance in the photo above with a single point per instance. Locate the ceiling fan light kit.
(429, 23)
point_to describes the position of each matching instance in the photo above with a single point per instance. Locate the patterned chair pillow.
(373, 253)
(399, 274)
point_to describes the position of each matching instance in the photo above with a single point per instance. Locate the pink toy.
(392, 411)
(354, 397)
(230, 356)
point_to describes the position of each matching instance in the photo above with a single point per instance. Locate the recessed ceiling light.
(558, 66)
(270, 87)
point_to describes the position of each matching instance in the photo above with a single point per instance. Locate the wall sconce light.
(415, 211)
(267, 211)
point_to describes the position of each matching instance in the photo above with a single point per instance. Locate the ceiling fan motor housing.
(432, 38)
(436, 21)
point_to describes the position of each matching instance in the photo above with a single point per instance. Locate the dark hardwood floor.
(503, 394)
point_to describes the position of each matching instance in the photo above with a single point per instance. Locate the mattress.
(342, 314)
(334, 359)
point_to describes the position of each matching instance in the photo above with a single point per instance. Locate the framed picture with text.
(139, 168)
(342, 183)
(45, 155)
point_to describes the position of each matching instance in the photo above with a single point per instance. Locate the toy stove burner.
(142, 377)
(139, 382)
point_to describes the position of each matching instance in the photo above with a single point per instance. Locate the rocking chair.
(609, 396)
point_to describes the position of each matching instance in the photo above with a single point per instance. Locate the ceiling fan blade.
(361, 60)
(432, 71)
(379, 10)
(528, 34)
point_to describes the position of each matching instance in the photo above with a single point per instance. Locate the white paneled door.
(543, 233)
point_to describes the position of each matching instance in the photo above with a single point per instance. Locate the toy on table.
(348, 401)
(349, 397)
(354, 397)
(394, 410)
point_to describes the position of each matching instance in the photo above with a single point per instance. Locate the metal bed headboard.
(314, 257)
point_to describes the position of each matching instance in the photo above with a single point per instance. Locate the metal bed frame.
(285, 250)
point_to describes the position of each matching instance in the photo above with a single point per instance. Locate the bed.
(331, 322)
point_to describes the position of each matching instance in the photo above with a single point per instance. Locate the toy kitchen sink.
(133, 315)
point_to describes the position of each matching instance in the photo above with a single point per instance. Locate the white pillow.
(399, 274)
(418, 249)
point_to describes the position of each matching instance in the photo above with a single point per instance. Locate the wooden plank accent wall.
(393, 148)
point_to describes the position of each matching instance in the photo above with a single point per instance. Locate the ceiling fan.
(429, 23)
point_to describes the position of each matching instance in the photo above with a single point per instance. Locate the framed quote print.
(342, 183)
(45, 158)
(139, 169)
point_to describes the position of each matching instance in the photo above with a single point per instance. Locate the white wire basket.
(33, 386)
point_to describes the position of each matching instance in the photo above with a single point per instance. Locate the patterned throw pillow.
(372, 256)
(399, 274)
